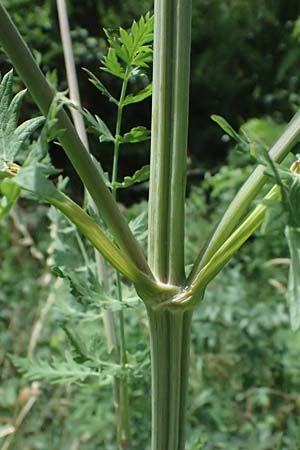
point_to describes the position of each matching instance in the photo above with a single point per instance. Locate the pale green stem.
(82, 249)
(124, 422)
(43, 94)
(232, 244)
(245, 196)
(170, 346)
(169, 330)
(172, 35)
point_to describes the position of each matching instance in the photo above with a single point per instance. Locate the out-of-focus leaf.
(136, 134)
(10, 193)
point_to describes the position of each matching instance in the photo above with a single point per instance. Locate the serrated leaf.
(136, 134)
(78, 352)
(97, 126)
(100, 86)
(12, 136)
(112, 65)
(139, 96)
(132, 48)
(138, 177)
(138, 227)
(293, 292)
(58, 371)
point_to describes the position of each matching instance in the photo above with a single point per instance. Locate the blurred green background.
(245, 365)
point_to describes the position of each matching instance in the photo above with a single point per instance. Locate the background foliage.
(245, 359)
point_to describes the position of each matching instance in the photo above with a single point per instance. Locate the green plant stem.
(245, 196)
(117, 134)
(170, 344)
(172, 36)
(101, 269)
(232, 244)
(43, 94)
(169, 329)
(124, 432)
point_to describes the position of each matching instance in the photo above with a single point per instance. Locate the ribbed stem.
(172, 36)
(170, 343)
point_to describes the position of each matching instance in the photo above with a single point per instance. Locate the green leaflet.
(227, 128)
(112, 65)
(293, 293)
(136, 134)
(100, 86)
(139, 97)
(12, 136)
(66, 371)
(97, 126)
(132, 48)
(138, 177)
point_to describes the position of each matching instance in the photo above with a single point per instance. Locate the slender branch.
(172, 34)
(102, 243)
(43, 95)
(71, 70)
(124, 432)
(108, 316)
(232, 244)
(245, 196)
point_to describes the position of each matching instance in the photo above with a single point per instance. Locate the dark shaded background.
(245, 63)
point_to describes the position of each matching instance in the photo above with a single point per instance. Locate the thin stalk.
(245, 196)
(172, 41)
(124, 432)
(101, 269)
(117, 133)
(170, 344)
(43, 94)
